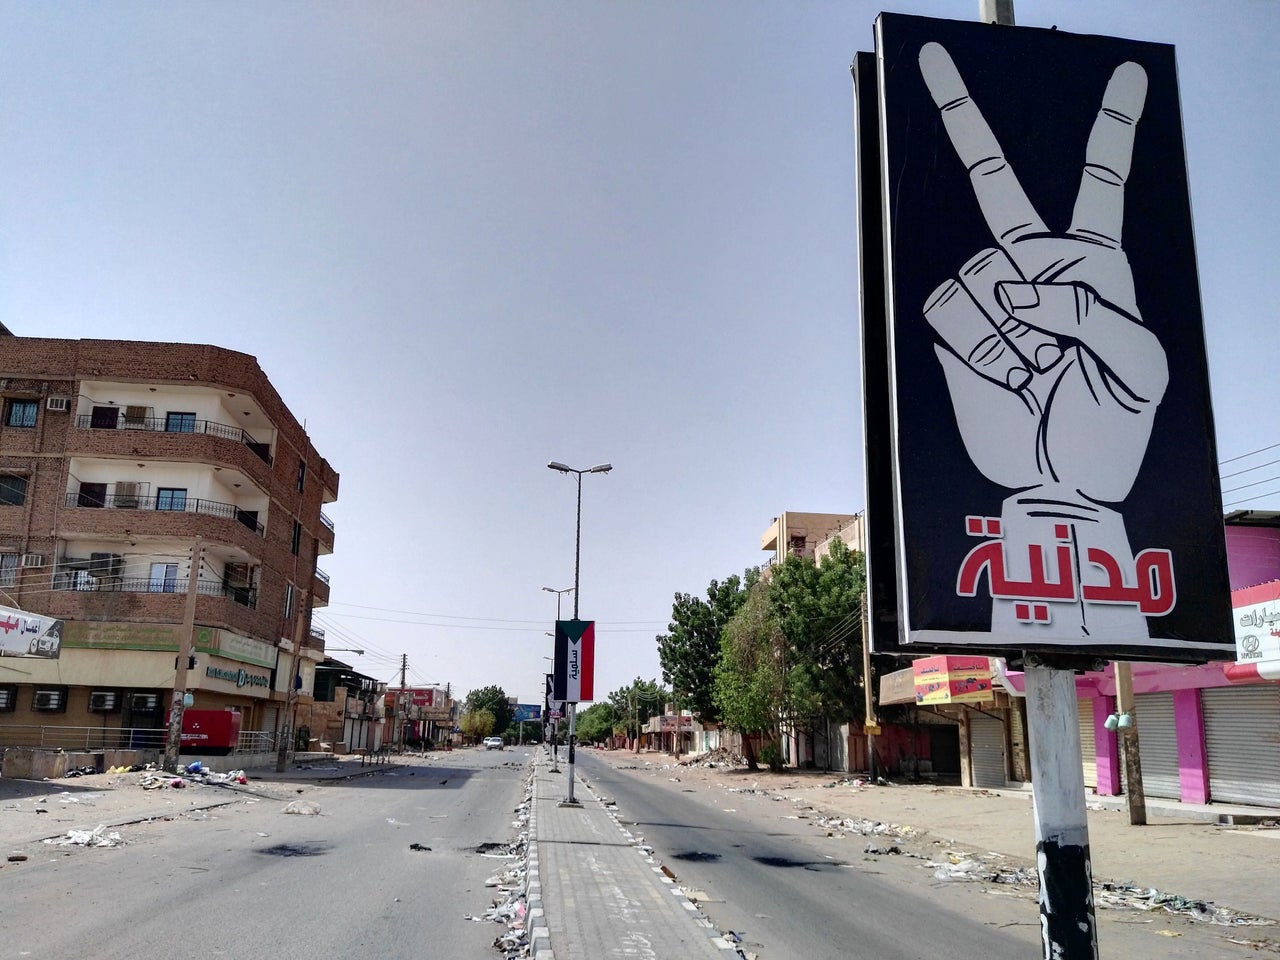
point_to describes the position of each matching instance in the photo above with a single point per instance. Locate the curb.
(535, 924)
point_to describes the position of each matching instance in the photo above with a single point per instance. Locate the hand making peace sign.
(1054, 379)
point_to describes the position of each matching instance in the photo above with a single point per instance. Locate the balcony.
(168, 504)
(174, 425)
(325, 540)
(77, 578)
(320, 589)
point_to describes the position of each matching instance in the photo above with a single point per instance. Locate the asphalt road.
(252, 881)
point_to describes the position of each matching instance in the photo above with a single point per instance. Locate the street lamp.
(577, 546)
(559, 594)
(577, 566)
(358, 653)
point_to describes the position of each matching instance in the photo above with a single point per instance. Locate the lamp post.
(560, 593)
(577, 567)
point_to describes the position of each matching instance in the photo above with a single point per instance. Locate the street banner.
(528, 711)
(574, 666)
(25, 634)
(1056, 484)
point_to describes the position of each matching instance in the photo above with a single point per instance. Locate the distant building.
(115, 457)
(799, 534)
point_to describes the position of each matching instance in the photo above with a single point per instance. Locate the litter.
(97, 837)
(1127, 896)
(303, 808)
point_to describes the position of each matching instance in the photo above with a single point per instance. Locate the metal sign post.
(573, 677)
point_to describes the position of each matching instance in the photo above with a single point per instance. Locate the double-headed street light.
(577, 545)
(577, 566)
(559, 594)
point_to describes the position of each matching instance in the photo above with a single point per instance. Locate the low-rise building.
(129, 473)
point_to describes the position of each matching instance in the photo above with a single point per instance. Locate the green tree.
(636, 703)
(595, 724)
(689, 649)
(493, 699)
(819, 609)
(476, 723)
(749, 675)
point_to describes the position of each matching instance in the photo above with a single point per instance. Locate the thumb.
(1118, 340)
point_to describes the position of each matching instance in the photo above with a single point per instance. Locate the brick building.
(118, 460)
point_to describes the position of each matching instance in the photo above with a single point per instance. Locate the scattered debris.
(303, 808)
(17, 857)
(1127, 896)
(720, 757)
(97, 837)
(419, 847)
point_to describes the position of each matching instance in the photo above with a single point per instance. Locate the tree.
(749, 675)
(476, 723)
(636, 703)
(691, 646)
(493, 699)
(595, 724)
(819, 609)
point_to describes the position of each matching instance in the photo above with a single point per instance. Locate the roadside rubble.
(155, 779)
(1128, 896)
(509, 906)
(97, 837)
(720, 757)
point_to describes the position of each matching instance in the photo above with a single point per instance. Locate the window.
(20, 413)
(288, 600)
(171, 498)
(164, 578)
(180, 423)
(13, 491)
(297, 537)
(302, 476)
(9, 564)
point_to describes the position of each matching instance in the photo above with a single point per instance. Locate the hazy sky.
(463, 239)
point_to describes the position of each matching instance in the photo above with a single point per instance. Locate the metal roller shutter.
(986, 750)
(1158, 745)
(1088, 746)
(1242, 743)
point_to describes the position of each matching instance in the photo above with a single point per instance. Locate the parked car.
(493, 743)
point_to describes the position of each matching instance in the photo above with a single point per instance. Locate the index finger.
(1004, 204)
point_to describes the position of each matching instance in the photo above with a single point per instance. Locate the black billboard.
(1052, 457)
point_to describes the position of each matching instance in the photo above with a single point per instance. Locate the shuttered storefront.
(986, 750)
(1158, 745)
(1242, 743)
(1088, 746)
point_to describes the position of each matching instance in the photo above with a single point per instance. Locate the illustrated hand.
(1053, 377)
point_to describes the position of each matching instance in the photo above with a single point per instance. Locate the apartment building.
(119, 463)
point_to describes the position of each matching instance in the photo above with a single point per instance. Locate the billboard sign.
(574, 660)
(955, 679)
(25, 634)
(1052, 444)
(528, 711)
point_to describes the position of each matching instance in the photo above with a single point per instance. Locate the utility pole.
(402, 708)
(186, 653)
(291, 699)
(1135, 796)
(870, 723)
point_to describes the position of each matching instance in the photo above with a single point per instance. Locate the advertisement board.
(25, 634)
(1052, 455)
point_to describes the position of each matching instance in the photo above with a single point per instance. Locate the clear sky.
(466, 238)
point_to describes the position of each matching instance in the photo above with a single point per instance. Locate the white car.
(493, 743)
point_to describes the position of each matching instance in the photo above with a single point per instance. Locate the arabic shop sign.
(1051, 436)
(239, 676)
(25, 634)
(1257, 617)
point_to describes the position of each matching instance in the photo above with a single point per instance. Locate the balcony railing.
(321, 575)
(317, 634)
(169, 504)
(166, 425)
(326, 521)
(81, 580)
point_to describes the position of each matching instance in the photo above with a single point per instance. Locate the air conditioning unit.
(49, 700)
(104, 701)
(57, 404)
(33, 559)
(145, 703)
